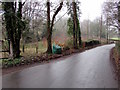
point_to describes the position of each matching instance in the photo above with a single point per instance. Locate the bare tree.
(110, 11)
(34, 14)
(50, 25)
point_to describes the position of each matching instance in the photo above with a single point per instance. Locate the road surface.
(90, 69)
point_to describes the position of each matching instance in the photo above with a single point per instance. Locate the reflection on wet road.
(90, 69)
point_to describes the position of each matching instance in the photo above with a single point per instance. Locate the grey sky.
(90, 9)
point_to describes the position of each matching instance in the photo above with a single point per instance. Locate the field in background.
(30, 49)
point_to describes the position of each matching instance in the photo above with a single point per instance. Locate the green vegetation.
(10, 62)
(116, 39)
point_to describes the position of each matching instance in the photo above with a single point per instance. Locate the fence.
(5, 49)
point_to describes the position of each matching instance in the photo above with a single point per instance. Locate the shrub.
(69, 43)
(91, 43)
(66, 48)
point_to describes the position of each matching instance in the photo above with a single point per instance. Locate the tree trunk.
(49, 41)
(79, 35)
(49, 46)
(13, 26)
(119, 27)
(9, 46)
(23, 46)
(88, 29)
(75, 23)
(74, 44)
(107, 30)
(15, 50)
(19, 32)
(119, 38)
(11, 50)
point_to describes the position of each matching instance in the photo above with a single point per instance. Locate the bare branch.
(56, 12)
(24, 3)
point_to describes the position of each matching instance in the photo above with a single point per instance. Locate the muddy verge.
(115, 59)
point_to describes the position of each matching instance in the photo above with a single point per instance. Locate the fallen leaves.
(116, 61)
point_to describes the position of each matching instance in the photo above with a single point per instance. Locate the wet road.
(90, 69)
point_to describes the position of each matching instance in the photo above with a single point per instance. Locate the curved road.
(90, 69)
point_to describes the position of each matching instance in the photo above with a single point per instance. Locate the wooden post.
(36, 47)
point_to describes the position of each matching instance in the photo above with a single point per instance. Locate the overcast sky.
(90, 8)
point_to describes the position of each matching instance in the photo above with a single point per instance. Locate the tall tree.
(75, 22)
(71, 21)
(49, 32)
(14, 25)
(112, 15)
(110, 11)
(50, 25)
(74, 12)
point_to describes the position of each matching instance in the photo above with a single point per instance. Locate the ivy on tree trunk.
(14, 25)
